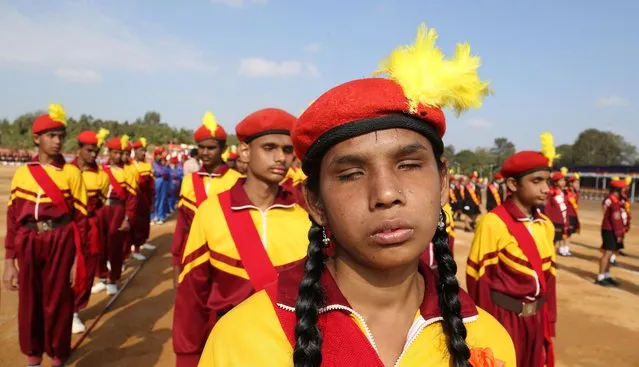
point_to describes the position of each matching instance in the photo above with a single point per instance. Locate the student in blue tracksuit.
(176, 182)
(161, 185)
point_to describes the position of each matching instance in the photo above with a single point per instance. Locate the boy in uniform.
(46, 227)
(256, 227)
(213, 177)
(146, 193)
(118, 215)
(97, 186)
(557, 210)
(494, 194)
(613, 231)
(511, 264)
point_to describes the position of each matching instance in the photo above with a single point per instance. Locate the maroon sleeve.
(617, 221)
(479, 291)
(131, 203)
(184, 220)
(9, 246)
(551, 301)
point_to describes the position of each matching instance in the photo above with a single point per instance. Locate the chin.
(391, 257)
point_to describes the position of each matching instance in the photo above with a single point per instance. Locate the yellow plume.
(56, 112)
(143, 141)
(614, 178)
(628, 180)
(428, 79)
(124, 140)
(577, 176)
(209, 122)
(564, 171)
(548, 147)
(234, 149)
(102, 134)
(225, 155)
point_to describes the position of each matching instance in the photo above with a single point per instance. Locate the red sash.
(529, 248)
(52, 190)
(256, 262)
(119, 190)
(198, 188)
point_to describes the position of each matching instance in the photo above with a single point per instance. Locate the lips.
(392, 232)
(278, 170)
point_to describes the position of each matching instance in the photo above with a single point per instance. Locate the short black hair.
(193, 152)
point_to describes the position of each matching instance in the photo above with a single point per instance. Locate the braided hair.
(308, 338)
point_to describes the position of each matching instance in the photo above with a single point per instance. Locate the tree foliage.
(602, 148)
(502, 149)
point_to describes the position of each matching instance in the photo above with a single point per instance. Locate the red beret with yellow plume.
(210, 129)
(55, 119)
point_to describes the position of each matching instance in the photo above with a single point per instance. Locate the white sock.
(601, 277)
(606, 275)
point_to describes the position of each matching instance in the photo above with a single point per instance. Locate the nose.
(280, 156)
(385, 190)
(545, 189)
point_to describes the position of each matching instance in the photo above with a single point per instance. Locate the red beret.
(140, 143)
(174, 160)
(498, 176)
(115, 143)
(557, 175)
(55, 119)
(265, 122)
(618, 184)
(523, 163)
(359, 107)
(203, 133)
(88, 137)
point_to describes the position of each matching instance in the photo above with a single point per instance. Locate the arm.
(79, 195)
(131, 201)
(186, 210)
(192, 321)
(551, 280)
(10, 276)
(617, 221)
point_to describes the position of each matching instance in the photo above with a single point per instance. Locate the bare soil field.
(596, 325)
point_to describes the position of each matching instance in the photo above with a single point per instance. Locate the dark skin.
(269, 158)
(49, 145)
(380, 195)
(529, 191)
(140, 154)
(210, 153)
(115, 159)
(86, 155)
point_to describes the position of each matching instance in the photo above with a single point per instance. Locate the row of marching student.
(68, 223)
(332, 271)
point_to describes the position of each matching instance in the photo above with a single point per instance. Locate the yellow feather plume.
(548, 147)
(428, 79)
(143, 141)
(564, 171)
(209, 122)
(225, 154)
(124, 140)
(628, 180)
(102, 134)
(614, 178)
(56, 112)
(234, 149)
(577, 176)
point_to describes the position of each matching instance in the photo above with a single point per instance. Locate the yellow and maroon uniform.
(146, 195)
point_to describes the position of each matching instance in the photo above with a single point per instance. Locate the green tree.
(467, 161)
(566, 156)
(601, 148)
(502, 149)
(449, 151)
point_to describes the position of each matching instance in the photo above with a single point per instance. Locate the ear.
(244, 151)
(511, 184)
(443, 179)
(36, 139)
(314, 206)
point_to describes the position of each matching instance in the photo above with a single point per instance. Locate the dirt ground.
(595, 328)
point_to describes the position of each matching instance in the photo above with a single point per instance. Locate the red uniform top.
(556, 208)
(613, 218)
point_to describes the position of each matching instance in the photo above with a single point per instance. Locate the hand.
(10, 276)
(619, 239)
(72, 273)
(125, 226)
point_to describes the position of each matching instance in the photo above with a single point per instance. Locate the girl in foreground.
(376, 183)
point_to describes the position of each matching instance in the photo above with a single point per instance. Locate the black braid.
(447, 291)
(308, 338)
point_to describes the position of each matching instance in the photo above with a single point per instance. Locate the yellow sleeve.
(15, 184)
(488, 333)
(131, 181)
(485, 246)
(78, 190)
(196, 241)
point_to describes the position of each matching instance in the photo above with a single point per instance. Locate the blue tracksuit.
(162, 179)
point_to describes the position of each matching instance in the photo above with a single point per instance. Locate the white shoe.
(147, 246)
(108, 266)
(98, 287)
(160, 222)
(77, 327)
(138, 256)
(111, 289)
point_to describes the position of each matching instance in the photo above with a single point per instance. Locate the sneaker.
(138, 256)
(147, 246)
(98, 287)
(603, 283)
(77, 327)
(111, 289)
(612, 282)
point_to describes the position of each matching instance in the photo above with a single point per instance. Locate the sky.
(557, 66)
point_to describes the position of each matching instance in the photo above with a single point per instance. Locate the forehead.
(377, 142)
(273, 139)
(543, 174)
(213, 143)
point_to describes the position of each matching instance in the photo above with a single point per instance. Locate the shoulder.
(232, 174)
(72, 170)
(490, 220)
(487, 333)
(249, 335)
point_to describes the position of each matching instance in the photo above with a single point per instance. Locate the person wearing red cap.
(256, 218)
(146, 192)
(556, 209)
(213, 177)
(97, 186)
(495, 193)
(119, 215)
(613, 231)
(372, 149)
(571, 193)
(46, 229)
(176, 183)
(472, 202)
(162, 178)
(511, 264)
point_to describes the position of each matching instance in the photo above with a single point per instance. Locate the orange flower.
(484, 357)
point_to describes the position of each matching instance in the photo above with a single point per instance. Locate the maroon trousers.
(142, 226)
(92, 260)
(45, 296)
(527, 334)
(115, 240)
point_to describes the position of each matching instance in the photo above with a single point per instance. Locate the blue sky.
(559, 66)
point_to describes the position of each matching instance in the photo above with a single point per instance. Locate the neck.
(262, 194)
(211, 168)
(370, 290)
(526, 209)
(140, 159)
(45, 158)
(82, 164)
